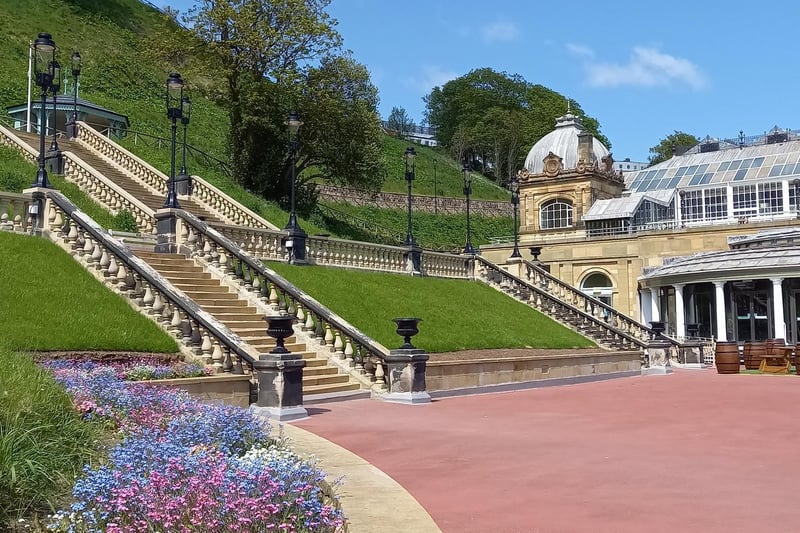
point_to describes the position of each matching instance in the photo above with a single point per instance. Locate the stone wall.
(429, 204)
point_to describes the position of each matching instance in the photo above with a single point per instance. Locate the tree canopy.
(491, 117)
(674, 143)
(277, 56)
(399, 121)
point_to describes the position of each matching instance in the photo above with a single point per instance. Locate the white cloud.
(647, 67)
(580, 50)
(430, 77)
(500, 30)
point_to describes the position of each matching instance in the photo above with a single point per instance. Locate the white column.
(645, 305)
(785, 190)
(680, 312)
(719, 300)
(729, 195)
(777, 308)
(655, 314)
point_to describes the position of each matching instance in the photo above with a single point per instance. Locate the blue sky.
(643, 69)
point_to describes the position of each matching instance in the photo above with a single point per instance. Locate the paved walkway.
(692, 451)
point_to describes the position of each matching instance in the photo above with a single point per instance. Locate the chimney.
(585, 151)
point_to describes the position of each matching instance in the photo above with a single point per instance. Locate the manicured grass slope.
(457, 315)
(44, 443)
(50, 303)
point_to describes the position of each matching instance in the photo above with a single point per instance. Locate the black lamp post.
(515, 203)
(55, 86)
(468, 248)
(184, 181)
(435, 197)
(409, 156)
(296, 242)
(72, 124)
(174, 102)
(44, 55)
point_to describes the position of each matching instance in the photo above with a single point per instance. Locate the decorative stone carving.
(552, 164)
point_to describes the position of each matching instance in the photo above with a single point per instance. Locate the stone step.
(188, 281)
(226, 299)
(235, 320)
(334, 379)
(320, 371)
(309, 390)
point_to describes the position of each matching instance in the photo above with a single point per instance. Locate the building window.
(770, 198)
(598, 285)
(692, 205)
(716, 203)
(556, 214)
(745, 201)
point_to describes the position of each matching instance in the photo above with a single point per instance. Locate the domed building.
(566, 171)
(633, 241)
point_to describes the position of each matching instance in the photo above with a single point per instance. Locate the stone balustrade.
(356, 254)
(262, 243)
(107, 193)
(205, 194)
(443, 265)
(14, 212)
(113, 264)
(539, 277)
(364, 356)
(552, 305)
(8, 138)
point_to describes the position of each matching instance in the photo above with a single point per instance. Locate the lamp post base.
(296, 244)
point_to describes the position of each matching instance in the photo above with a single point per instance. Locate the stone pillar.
(280, 376)
(407, 365)
(37, 209)
(645, 305)
(413, 258)
(514, 266)
(719, 303)
(167, 231)
(680, 311)
(655, 312)
(777, 308)
(657, 353)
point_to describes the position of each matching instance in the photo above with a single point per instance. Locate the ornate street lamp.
(72, 124)
(43, 57)
(468, 248)
(409, 156)
(515, 203)
(55, 86)
(174, 101)
(184, 181)
(296, 241)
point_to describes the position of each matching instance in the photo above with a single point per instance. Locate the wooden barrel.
(753, 356)
(726, 357)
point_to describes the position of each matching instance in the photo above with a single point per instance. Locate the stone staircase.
(118, 176)
(243, 319)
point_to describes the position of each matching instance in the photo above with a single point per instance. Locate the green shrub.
(125, 221)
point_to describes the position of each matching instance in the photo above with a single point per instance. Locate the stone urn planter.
(407, 328)
(279, 328)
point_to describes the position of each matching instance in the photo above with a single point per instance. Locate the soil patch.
(110, 357)
(506, 353)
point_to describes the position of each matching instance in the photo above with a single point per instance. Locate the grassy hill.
(113, 36)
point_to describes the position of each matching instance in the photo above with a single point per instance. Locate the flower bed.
(138, 369)
(181, 465)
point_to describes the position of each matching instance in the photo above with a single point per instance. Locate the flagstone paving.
(691, 451)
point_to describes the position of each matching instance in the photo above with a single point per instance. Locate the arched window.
(598, 285)
(556, 214)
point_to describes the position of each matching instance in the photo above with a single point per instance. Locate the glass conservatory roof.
(727, 165)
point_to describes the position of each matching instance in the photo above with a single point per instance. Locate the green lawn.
(49, 302)
(44, 443)
(457, 314)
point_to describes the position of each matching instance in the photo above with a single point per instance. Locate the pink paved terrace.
(693, 451)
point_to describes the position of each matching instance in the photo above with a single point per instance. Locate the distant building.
(424, 135)
(627, 165)
(707, 242)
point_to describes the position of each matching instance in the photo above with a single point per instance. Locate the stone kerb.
(429, 204)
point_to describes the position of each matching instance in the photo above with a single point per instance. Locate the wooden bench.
(778, 361)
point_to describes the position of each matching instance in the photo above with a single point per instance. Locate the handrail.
(208, 243)
(204, 193)
(554, 301)
(614, 316)
(104, 244)
(8, 138)
(106, 192)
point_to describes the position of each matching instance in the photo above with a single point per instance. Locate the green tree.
(493, 115)
(674, 143)
(399, 121)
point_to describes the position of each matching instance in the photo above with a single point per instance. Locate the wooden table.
(777, 362)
